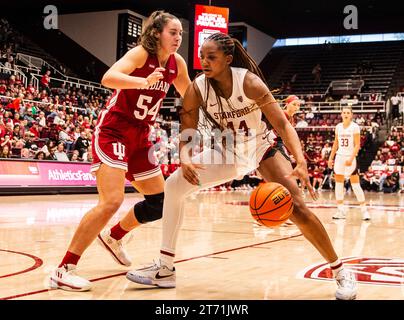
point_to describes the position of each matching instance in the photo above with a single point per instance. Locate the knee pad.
(150, 209)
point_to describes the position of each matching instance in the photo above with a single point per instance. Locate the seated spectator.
(25, 154)
(391, 183)
(6, 141)
(82, 143)
(41, 119)
(29, 116)
(65, 138)
(75, 156)
(88, 154)
(318, 177)
(35, 130)
(60, 153)
(326, 151)
(301, 123)
(59, 118)
(48, 146)
(376, 161)
(360, 120)
(5, 151)
(29, 139)
(40, 155)
(52, 154)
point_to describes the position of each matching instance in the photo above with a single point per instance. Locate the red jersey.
(139, 106)
(291, 119)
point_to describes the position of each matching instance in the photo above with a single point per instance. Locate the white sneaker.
(365, 215)
(156, 275)
(340, 214)
(66, 278)
(347, 287)
(114, 247)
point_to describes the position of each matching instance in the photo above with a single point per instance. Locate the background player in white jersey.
(346, 147)
(236, 97)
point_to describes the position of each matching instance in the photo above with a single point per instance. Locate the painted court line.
(179, 261)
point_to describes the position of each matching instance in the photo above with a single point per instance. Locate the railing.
(336, 107)
(39, 103)
(326, 128)
(347, 86)
(15, 72)
(361, 96)
(168, 103)
(35, 66)
(27, 69)
(280, 97)
(37, 63)
(85, 86)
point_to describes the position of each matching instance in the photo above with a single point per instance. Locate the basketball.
(271, 204)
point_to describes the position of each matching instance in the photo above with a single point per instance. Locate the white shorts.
(341, 168)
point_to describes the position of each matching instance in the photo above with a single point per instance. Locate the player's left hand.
(300, 172)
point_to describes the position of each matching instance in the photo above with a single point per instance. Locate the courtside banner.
(208, 20)
(32, 173)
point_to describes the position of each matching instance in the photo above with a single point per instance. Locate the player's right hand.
(190, 174)
(155, 76)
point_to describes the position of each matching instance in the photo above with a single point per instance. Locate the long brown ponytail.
(153, 26)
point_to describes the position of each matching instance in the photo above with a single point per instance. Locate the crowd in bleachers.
(57, 124)
(58, 121)
(386, 174)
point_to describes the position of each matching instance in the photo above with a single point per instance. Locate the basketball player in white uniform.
(346, 147)
(235, 98)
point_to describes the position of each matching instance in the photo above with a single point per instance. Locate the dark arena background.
(332, 55)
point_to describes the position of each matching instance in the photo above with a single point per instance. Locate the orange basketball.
(271, 204)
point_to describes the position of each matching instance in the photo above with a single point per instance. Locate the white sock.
(363, 207)
(339, 191)
(167, 259)
(336, 266)
(176, 190)
(341, 207)
(360, 196)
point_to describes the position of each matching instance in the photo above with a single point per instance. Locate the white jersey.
(346, 138)
(237, 116)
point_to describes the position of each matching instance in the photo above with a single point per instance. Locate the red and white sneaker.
(114, 247)
(66, 278)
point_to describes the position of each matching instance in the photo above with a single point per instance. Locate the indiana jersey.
(142, 105)
(238, 113)
(346, 138)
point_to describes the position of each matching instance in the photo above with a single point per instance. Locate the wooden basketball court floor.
(221, 253)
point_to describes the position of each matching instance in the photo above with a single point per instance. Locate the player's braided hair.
(241, 59)
(154, 25)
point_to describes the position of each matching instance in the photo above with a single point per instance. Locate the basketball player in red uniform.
(141, 79)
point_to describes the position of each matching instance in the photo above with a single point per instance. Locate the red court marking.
(385, 207)
(178, 261)
(37, 263)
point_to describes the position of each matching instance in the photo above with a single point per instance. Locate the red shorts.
(126, 147)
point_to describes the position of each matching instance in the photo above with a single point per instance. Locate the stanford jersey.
(121, 137)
